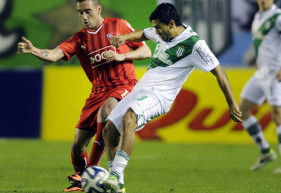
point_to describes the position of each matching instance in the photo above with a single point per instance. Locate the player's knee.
(129, 121)
(111, 134)
(276, 116)
(106, 108)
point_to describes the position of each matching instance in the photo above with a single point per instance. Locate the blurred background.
(44, 100)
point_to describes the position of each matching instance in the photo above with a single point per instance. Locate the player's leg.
(276, 116)
(251, 96)
(139, 110)
(79, 154)
(126, 146)
(98, 145)
(252, 126)
(275, 101)
(79, 157)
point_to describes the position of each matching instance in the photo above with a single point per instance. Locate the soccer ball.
(91, 177)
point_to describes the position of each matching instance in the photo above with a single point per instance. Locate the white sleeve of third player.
(202, 57)
(150, 33)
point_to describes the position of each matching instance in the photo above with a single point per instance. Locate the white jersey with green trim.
(266, 30)
(173, 61)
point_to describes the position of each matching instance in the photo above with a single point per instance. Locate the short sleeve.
(202, 57)
(150, 33)
(70, 47)
(125, 27)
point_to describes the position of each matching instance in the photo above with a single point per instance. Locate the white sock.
(110, 165)
(120, 162)
(255, 131)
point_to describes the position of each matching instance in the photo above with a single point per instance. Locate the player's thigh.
(106, 108)
(147, 108)
(274, 95)
(246, 107)
(276, 114)
(252, 92)
(121, 108)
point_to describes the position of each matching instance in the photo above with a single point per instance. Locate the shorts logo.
(97, 57)
(125, 93)
(141, 98)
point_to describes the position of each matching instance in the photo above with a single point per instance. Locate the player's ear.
(172, 24)
(99, 9)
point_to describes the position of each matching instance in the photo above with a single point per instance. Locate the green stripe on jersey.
(258, 35)
(173, 54)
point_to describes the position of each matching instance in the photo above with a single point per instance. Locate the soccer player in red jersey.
(110, 71)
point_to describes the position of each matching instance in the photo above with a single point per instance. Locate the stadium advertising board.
(199, 114)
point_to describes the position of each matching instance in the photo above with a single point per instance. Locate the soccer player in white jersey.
(265, 83)
(179, 50)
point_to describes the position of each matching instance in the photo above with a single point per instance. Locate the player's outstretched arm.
(235, 113)
(26, 47)
(140, 53)
(136, 36)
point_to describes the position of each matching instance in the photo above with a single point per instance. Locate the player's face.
(265, 5)
(89, 14)
(163, 30)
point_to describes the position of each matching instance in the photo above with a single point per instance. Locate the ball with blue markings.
(91, 177)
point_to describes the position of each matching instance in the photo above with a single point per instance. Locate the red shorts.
(88, 117)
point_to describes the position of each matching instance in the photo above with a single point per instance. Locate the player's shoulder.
(113, 19)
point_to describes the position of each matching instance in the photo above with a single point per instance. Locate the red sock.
(79, 162)
(98, 146)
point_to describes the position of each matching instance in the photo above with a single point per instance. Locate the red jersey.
(89, 46)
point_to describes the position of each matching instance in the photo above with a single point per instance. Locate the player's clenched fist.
(25, 47)
(117, 41)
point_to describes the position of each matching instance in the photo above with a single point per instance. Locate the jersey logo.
(109, 36)
(97, 57)
(180, 51)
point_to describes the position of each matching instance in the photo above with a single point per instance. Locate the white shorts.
(146, 105)
(257, 91)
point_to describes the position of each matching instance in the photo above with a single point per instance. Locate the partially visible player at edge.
(110, 71)
(179, 50)
(265, 83)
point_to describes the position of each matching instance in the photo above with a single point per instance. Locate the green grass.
(42, 167)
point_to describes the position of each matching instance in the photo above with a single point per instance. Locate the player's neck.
(178, 31)
(264, 9)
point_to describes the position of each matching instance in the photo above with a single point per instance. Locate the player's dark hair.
(165, 12)
(96, 2)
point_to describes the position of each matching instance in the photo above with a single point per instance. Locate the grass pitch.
(35, 166)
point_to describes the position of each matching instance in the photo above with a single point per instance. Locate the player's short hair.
(165, 12)
(96, 2)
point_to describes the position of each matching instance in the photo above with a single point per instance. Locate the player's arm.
(26, 47)
(136, 36)
(235, 113)
(138, 54)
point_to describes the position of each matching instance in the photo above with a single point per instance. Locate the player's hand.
(278, 76)
(117, 41)
(113, 56)
(25, 47)
(235, 113)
